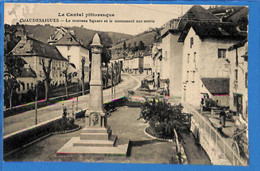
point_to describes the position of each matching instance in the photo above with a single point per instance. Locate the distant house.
(72, 49)
(136, 63)
(34, 52)
(205, 46)
(238, 57)
(147, 62)
(172, 51)
(27, 79)
(217, 89)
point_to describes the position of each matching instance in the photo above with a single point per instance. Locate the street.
(27, 119)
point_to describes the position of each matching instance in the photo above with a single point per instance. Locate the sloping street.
(27, 119)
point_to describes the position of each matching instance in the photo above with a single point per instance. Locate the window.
(23, 86)
(19, 88)
(191, 42)
(31, 85)
(236, 74)
(188, 58)
(193, 76)
(187, 76)
(28, 87)
(246, 80)
(222, 53)
(68, 47)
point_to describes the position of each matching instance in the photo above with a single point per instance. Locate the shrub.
(163, 118)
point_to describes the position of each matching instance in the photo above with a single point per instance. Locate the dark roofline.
(192, 24)
(238, 45)
(30, 38)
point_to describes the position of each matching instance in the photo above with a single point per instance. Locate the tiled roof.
(216, 85)
(217, 30)
(32, 47)
(68, 39)
(195, 13)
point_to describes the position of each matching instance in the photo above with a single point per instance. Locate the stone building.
(33, 52)
(238, 57)
(27, 80)
(205, 46)
(172, 51)
(72, 49)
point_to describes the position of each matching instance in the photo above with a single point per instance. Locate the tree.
(163, 118)
(124, 46)
(67, 76)
(105, 55)
(141, 46)
(12, 69)
(47, 77)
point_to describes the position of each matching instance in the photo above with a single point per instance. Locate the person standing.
(222, 117)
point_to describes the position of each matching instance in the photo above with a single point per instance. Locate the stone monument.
(96, 137)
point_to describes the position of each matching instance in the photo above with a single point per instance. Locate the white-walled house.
(172, 60)
(172, 51)
(205, 45)
(73, 50)
(238, 57)
(147, 63)
(33, 52)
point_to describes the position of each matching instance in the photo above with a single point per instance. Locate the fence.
(219, 141)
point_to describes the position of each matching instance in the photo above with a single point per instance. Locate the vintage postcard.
(126, 83)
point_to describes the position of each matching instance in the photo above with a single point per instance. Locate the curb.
(156, 138)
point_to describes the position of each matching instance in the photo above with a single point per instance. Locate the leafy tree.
(141, 46)
(12, 69)
(105, 55)
(163, 118)
(124, 46)
(47, 77)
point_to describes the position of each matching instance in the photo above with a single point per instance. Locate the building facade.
(73, 50)
(37, 55)
(205, 46)
(238, 57)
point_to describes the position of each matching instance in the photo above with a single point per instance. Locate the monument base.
(95, 140)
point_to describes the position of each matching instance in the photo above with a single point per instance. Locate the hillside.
(43, 32)
(146, 38)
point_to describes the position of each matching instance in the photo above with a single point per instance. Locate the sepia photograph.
(126, 83)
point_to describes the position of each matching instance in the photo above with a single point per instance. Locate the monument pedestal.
(96, 137)
(95, 141)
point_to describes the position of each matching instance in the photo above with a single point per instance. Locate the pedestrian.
(222, 118)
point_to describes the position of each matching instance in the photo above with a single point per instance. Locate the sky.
(160, 14)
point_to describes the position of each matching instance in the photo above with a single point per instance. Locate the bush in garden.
(163, 118)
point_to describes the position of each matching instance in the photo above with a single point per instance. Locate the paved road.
(27, 119)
